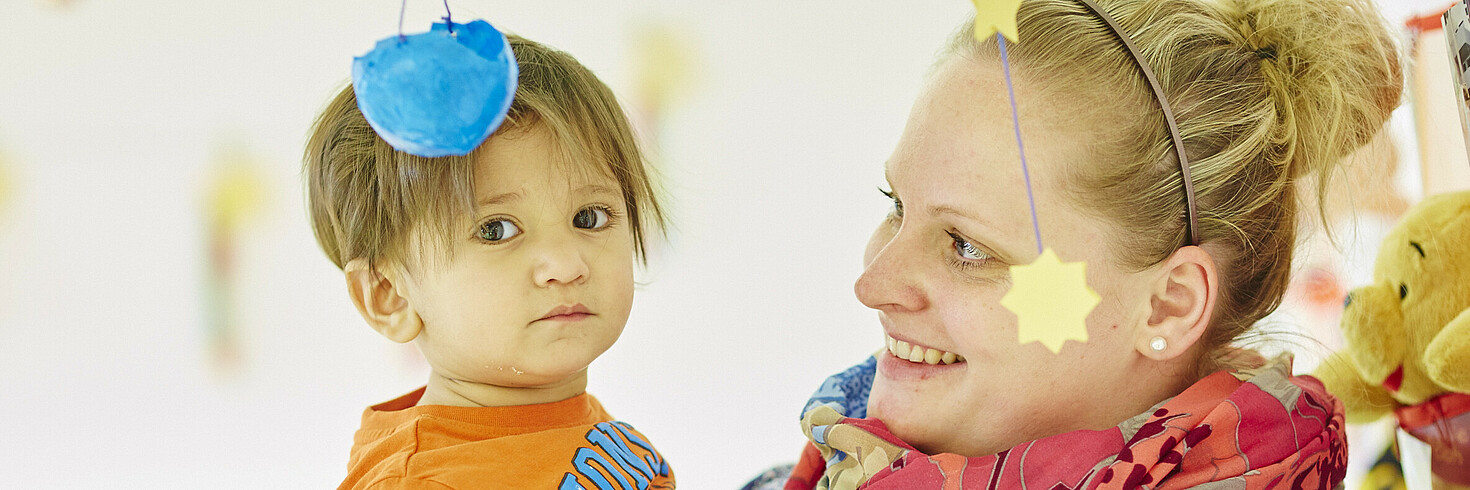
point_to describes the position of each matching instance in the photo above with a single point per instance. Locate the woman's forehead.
(960, 151)
(959, 135)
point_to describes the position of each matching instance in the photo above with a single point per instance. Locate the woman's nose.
(889, 282)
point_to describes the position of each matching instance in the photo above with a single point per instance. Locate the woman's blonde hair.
(365, 197)
(1265, 92)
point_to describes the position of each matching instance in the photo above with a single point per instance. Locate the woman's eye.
(897, 204)
(590, 218)
(498, 230)
(967, 250)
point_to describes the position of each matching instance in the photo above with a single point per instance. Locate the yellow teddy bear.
(1408, 336)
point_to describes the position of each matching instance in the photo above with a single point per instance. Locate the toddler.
(510, 268)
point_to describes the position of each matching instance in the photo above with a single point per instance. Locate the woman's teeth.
(919, 353)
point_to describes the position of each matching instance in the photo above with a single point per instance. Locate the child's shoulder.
(554, 445)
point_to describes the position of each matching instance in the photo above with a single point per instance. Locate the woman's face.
(938, 267)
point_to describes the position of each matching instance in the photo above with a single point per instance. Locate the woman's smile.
(919, 354)
(907, 361)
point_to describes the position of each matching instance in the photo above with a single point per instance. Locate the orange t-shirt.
(570, 444)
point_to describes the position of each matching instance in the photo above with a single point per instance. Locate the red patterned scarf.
(1258, 429)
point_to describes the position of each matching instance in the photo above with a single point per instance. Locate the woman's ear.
(1180, 305)
(382, 299)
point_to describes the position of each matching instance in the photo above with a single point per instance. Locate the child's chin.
(531, 376)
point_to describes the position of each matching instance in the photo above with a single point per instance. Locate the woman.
(1262, 93)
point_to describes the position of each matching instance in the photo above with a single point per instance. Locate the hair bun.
(1332, 67)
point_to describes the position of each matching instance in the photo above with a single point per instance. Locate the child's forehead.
(534, 161)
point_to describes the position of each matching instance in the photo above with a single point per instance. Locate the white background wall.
(111, 114)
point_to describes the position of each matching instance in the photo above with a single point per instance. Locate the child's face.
(540, 279)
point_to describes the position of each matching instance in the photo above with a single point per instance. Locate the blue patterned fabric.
(847, 391)
(772, 479)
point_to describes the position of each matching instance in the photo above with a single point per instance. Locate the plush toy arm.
(1365, 402)
(1447, 359)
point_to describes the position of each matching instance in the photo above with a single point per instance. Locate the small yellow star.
(1051, 300)
(237, 192)
(4, 182)
(992, 16)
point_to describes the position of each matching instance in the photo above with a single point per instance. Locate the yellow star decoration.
(992, 16)
(1051, 300)
(665, 64)
(237, 192)
(4, 182)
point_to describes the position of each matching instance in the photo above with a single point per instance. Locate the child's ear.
(1180, 306)
(382, 299)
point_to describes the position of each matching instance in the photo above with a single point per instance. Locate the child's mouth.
(919, 354)
(568, 313)
(567, 318)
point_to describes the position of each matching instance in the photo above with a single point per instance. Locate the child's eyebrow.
(598, 189)
(500, 199)
(511, 197)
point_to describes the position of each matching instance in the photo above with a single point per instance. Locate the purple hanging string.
(448, 22)
(1005, 63)
(403, 7)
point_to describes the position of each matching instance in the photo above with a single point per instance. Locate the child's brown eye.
(498, 230)
(590, 218)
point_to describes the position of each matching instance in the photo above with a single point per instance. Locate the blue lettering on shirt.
(614, 440)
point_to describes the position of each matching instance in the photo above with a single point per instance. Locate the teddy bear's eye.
(1403, 290)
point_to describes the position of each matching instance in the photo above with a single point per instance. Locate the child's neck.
(443, 390)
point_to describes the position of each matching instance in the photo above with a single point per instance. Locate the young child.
(511, 268)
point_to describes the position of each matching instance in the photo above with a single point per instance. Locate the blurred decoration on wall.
(1457, 38)
(1361, 203)
(666, 71)
(1367, 184)
(234, 201)
(5, 181)
(1437, 103)
(59, 4)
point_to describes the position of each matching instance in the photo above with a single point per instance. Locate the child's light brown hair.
(365, 198)
(1265, 91)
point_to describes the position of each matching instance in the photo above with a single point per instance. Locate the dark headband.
(1153, 82)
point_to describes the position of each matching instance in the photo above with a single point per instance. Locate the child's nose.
(560, 264)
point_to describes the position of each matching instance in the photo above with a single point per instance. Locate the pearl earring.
(1158, 344)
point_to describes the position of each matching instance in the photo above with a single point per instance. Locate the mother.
(1264, 92)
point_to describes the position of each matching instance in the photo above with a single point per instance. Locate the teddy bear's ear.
(1447, 359)
(1373, 327)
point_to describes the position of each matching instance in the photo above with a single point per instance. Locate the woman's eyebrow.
(941, 210)
(987, 227)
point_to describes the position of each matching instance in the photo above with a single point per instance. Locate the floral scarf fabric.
(1260, 428)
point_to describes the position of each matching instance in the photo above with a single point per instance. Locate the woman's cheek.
(972, 321)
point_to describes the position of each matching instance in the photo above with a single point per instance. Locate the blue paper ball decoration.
(438, 93)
